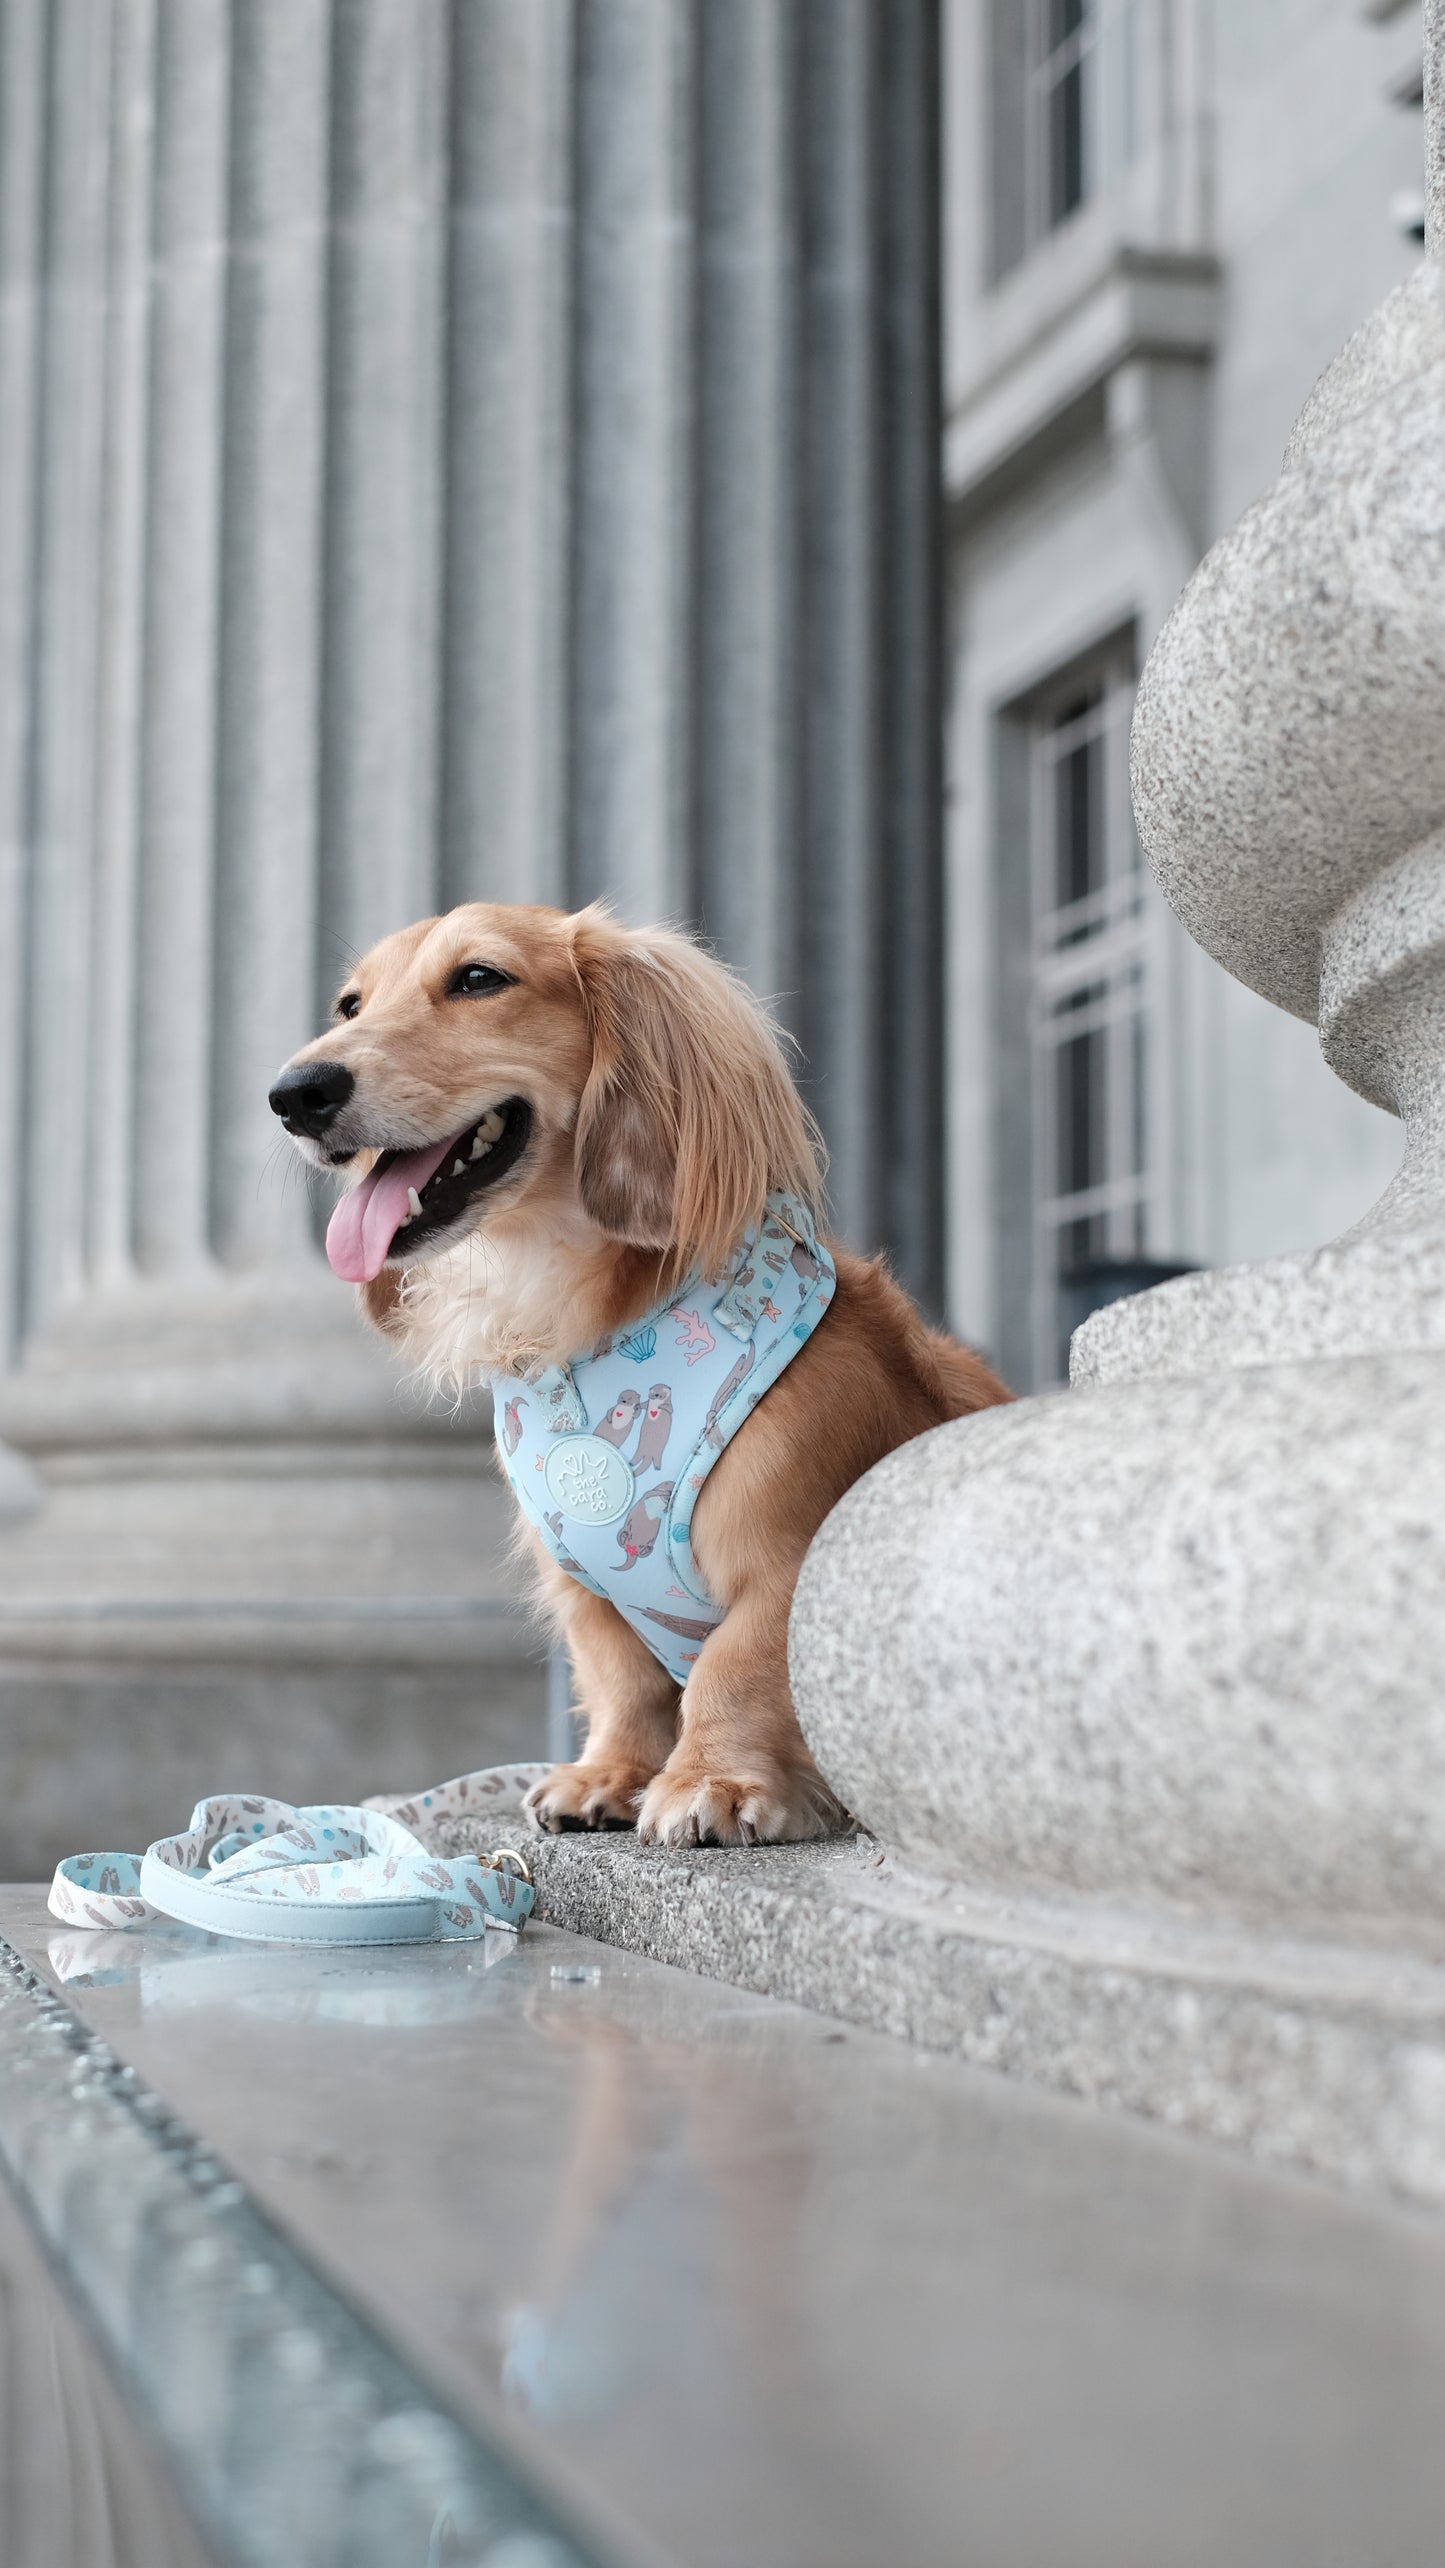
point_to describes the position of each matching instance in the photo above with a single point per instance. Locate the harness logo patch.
(588, 1479)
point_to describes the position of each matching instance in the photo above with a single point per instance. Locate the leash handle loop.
(338, 1873)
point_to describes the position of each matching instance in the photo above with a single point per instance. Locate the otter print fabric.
(608, 1452)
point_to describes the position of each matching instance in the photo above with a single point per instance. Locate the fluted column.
(269, 674)
(23, 66)
(384, 468)
(452, 448)
(169, 1225)
(749, 369)
(65, 642)
(508, 453)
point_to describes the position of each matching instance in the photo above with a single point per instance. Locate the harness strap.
(608, 1453)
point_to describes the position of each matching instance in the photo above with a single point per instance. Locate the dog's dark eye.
(477, 981)
(349, 1004)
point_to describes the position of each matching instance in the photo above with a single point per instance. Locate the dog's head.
(501, 1064)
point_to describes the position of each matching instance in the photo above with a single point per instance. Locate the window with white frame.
(1061, 80)
(1064, 111)
(1090, 1019)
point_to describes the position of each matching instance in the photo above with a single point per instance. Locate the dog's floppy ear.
(628, 1124)
(689, 1117)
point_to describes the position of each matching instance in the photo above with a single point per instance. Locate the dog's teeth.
(491, 1123)
(480, 1148)
(414, 1201)
(459, 1168)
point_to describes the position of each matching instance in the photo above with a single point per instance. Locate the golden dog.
(553, 1123)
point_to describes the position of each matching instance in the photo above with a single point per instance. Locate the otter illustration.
(679, 1623)
(638, 1531)
(618, 1424)
(512, 1424)
(805, 1262)
(654, 1431)
(564, 1558)
(724, 1393)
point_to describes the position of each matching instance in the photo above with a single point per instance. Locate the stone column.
(1152, 1667)
(461, 450)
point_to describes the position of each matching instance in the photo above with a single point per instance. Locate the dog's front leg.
(630, 1703)
(741, 1773)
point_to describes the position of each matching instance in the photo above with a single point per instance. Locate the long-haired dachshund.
(569, 1139)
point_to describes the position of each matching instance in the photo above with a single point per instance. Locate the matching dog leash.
(334, 1874)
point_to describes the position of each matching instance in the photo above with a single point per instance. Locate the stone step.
(653, 2269)
(1306, 2051)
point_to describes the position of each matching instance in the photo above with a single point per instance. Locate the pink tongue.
(366, 1221)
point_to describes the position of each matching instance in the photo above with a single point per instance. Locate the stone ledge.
(1362, 1296)
(1311, 2054)
(1135, 303)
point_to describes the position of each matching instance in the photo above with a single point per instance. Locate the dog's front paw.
(685, 1806)
(588, 1796)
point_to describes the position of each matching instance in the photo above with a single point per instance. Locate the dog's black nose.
(311, 1095)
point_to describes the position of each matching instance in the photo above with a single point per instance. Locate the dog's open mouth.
(413, 1196)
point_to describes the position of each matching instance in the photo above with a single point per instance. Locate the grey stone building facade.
(1163, 217)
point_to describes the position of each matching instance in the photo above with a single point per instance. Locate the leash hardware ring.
(494, 1861)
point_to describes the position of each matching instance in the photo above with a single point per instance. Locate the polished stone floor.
(739, 2285)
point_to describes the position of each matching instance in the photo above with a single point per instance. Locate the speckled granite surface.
(1172, 1640)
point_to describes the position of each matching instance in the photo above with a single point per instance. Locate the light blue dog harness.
(608, 1452)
